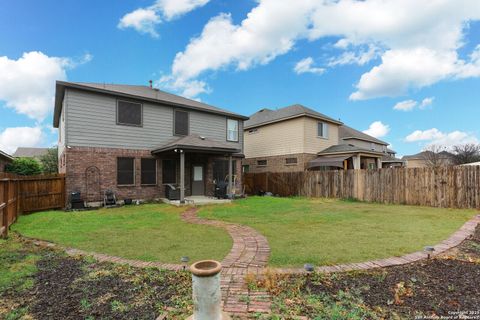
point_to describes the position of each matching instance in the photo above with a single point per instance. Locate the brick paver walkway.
(249, 255)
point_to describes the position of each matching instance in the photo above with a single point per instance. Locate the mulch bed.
(79, 288)
(444, 286)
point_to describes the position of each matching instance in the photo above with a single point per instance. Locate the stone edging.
(454, 240)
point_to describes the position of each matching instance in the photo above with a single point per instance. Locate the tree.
(435, 156)
(466, 153)
(24, 167)
(50, 161)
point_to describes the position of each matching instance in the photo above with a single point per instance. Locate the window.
(246, 168)
(169, 171)
(180, 123)
(220, 169)
(125, 171)
(129, 113)
(149, 171)
(291, 161)
(322, 130)
(261, 162)
(372, 146)
(232, 130)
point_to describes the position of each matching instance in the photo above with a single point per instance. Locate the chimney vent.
(151, 83)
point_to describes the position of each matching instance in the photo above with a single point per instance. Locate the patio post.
(182, 176)
(230, 175)
(379, 163)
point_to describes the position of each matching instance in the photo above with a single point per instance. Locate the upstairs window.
(322, 130)
(129, 113)
(149, 171)
(180, 123)
(125, 171)
(372, 146)
(232, 130)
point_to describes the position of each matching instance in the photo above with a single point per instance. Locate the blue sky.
(351, 60)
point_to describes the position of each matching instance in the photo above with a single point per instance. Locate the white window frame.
(324, 134)
(235, 132)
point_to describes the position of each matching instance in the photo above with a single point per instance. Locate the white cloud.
(142, 20)
(306, 66)
(377, 129)
(406, 105)
(27, 85)
(145, 20)
(409, 105)
(417, 47)
(445, 139)
(187, 88)
(426, 102)
(12, 138)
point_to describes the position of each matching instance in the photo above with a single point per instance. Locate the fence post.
(6, 208)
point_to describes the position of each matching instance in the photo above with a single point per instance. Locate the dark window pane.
(181, 123)
(261, 162)
(125, 171)
(220, 169)
(169, 171)
(291, 160)
(149, 171)
(129, 113)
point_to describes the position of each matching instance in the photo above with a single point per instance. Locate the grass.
(150, 232)
(324, 231)
(16, 266)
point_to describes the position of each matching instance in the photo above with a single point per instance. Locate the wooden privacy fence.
(449, 187)
(20, 194)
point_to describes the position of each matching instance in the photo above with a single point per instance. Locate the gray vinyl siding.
(91, 122)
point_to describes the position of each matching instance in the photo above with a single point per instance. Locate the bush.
(50, 161)
(24, 167)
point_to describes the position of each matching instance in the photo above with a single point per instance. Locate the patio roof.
(197, 143)
(348, 149)
(327, 162)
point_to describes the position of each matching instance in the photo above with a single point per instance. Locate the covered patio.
(195, 165)
(346, 157)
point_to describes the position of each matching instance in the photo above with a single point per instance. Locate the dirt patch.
(80, 288)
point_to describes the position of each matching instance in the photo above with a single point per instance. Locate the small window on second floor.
(129, 113)
(372, 146)
(232, 130)
(322, 130)
(261, 162)
(180, 123)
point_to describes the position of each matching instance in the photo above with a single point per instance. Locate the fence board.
(451, 187)
(27, 194)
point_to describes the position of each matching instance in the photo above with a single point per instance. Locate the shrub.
(24, 167)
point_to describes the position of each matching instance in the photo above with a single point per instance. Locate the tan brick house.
(136, 140)
(297, 138)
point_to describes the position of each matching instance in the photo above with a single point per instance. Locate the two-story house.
(136, 140)
(297, 138)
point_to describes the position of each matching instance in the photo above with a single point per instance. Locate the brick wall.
(3, 163)
(279, 163)
(94, 170)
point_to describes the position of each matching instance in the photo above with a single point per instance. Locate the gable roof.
(144, 93)
(424, 154)
(266, 116)
(6, 156)
(346, 132)
(22, 152)
(196, 142)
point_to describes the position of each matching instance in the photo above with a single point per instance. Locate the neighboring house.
(135, 140)
(5, 159)
(296, 138)
(428, 159)
(35, 153)
(390, 161)
(471, 164)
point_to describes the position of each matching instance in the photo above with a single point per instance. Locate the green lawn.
(322, 231)
(150, 232)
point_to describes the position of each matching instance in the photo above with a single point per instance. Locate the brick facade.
(91, 171)
(279, 163)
